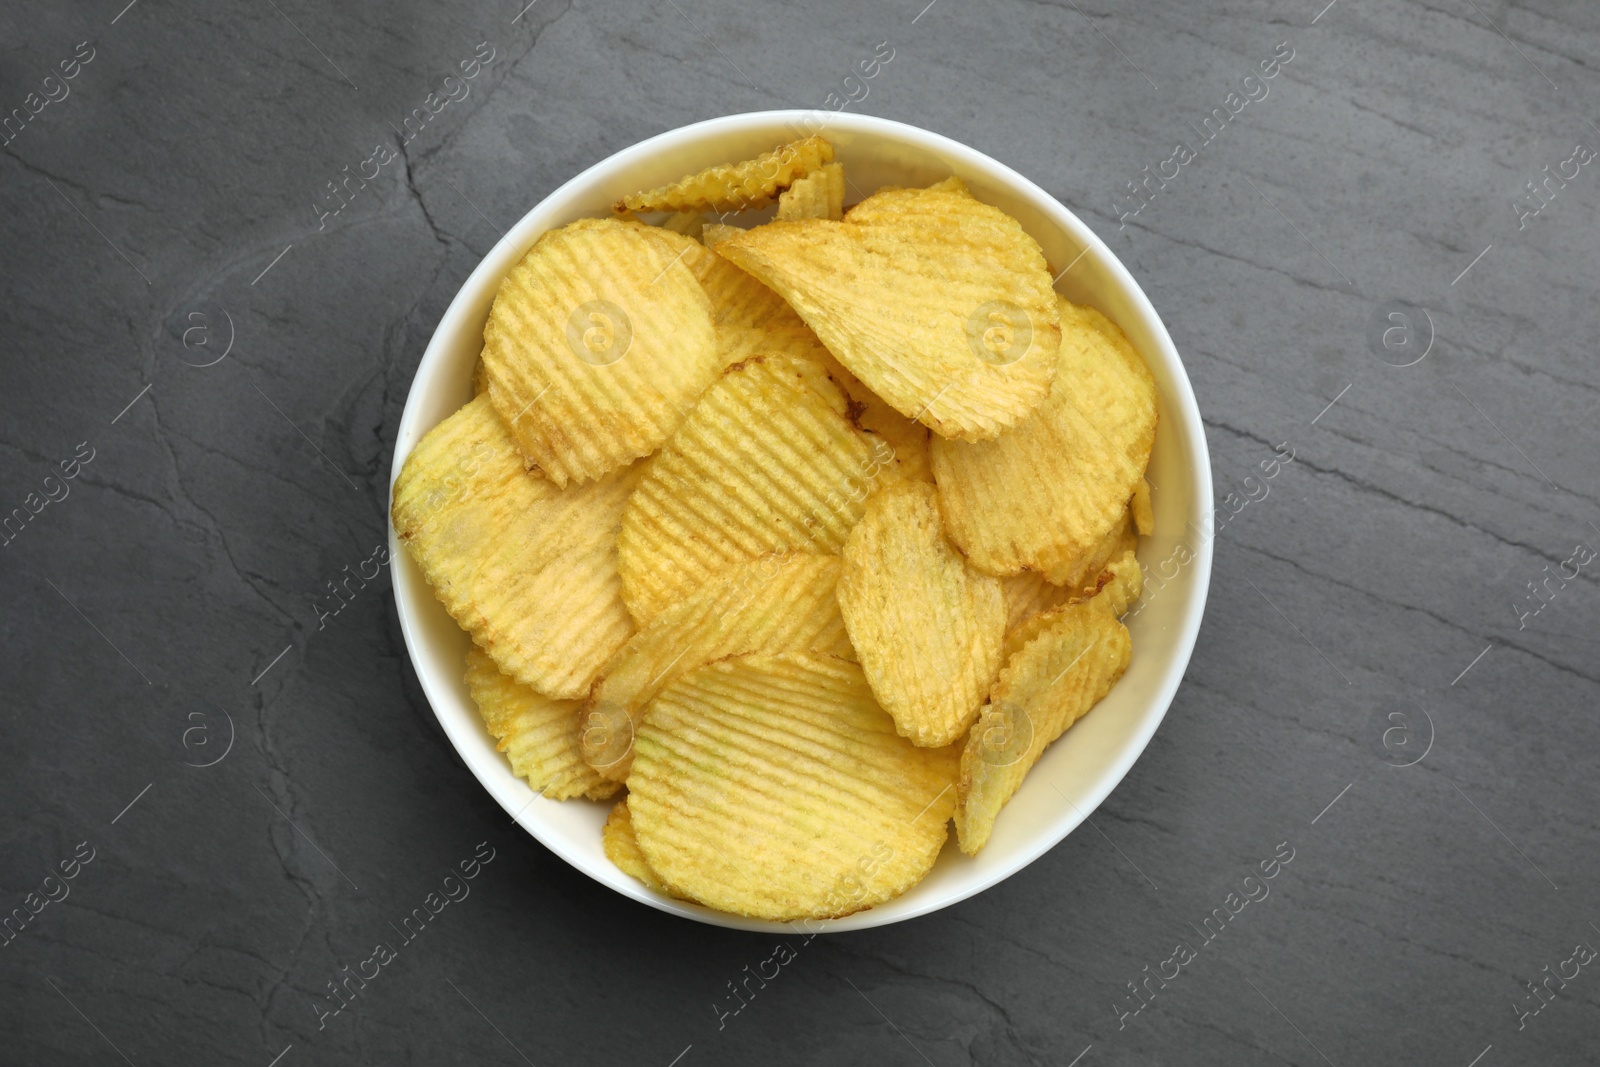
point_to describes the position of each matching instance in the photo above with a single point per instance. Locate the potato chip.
(1123, 577)
(1031, 626)
(528, 569)
(689, 223)
(597, 343)
(1047, 495)
(742, 302)
(752, 320)
(767, 461)
(819, 195)
(940, 303)
(1030, 600)
(1030, 609)
(622, 848)
(1144, 516)
(926, 626)
(1044, 689)
(779, 603)
(1028, 594)
(902, 442)
(480, 378)
(740, 344)
(735, 186)
(1093, 563)
(538, 734)
(714, 233)
(1022, 634)
(738, 300)
(775, 787)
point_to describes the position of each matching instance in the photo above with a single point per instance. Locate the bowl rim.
(538, 219)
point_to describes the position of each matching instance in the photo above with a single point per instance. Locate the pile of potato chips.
(811, 535)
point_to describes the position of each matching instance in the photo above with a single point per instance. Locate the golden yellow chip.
(738, 300)
(1047, 495)
(1094, 563)
(689, 223)
(926, 626)
(528, 569)
(597, 343)
(768, 460)
(735, 186)
(1022, 634)
(740, 344)
(1028, 594)
(714, 233)
(480, 378)
(1029, 603)
(779, 603)
(1144, 516)
(819, 195)
(775, 787)
(902, 446)
(1030, 599)
(1123, 580)
(752, 320)
(622, 848)
(1044, 689)
(940, 303)
(538, 734)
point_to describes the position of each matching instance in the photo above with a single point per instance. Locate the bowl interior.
(1080, 769)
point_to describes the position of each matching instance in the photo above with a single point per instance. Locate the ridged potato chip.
(1028, 594)
(1047, 494)
(528, 569)
(1124, 577)
(775, 787)
(819, 195)
(538, 734)
(753, 321)
(480, 378)
(714, 233)
(779, 603)
(1144, 516)
(1043, 690)
(740, 344)
(940, 303)
(622, 848)
(1094, 563)
(903, 443)
(689, 223)
(1022, 634)
(1030, 600)
(925, 625)
(735, 186)
(739, 300)
(597, 344)
(750, 319)
(767, 461)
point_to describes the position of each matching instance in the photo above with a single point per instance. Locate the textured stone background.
(141, 214)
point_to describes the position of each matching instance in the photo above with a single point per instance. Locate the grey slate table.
(164, 200)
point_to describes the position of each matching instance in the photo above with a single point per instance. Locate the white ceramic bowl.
(1080, 769)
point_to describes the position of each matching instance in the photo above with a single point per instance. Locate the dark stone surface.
(186, 555)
